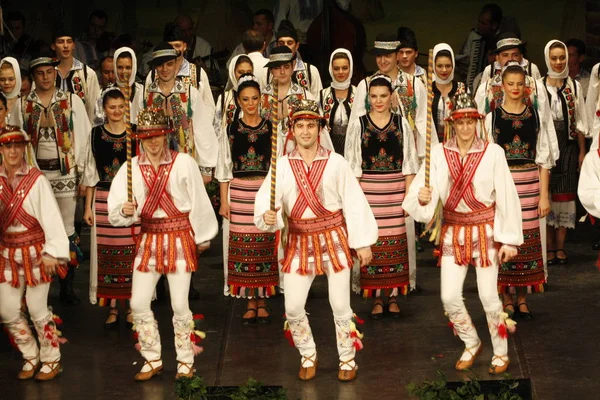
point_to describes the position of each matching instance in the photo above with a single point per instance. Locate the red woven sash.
(156, 182)
(308, 184)
(13, 201)
(462, 175)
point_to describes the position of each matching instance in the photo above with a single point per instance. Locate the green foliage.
(469, 390)
(194, 388)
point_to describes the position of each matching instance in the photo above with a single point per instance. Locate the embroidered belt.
(49, 165)
(304, 240)
(166, 225)
(316, 225)
(33, 237)
(471, 218)
(474, 220)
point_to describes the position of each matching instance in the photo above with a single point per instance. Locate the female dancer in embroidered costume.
(570, 121)
(531, 152)
(176, 221)
(482, 226)
(228, 109)
(327, 216)
(33, 247)
(112, 249)
(382, 154)
(251, 269)
(10, 82)
(336, 100)
(444, 86)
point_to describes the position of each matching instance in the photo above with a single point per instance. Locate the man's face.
(44, 77)
(485, 26)
(12, 154)
(407, 57)
(63, 46)
(509, 55)
(386, 62)
(25, 86)
(124, 69)
(465, 128)
(96, 27)
(306, 132)
(108, 72)
(261, 25)
(187, 28)
(180, 46)
(155, 145)
(575, 59)
(167, 70)
(283, 73)
(17, 28)
(289, 42)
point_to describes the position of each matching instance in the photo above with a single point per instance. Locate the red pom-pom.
(136, 336)
(358, 320)
(198, 317)
(502, 331)
(57, 320)
(288, 335)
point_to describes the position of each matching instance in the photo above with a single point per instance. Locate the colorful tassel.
(288, 333)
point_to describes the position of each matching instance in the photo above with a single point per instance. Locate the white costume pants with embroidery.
(37, 303)
(67, 206)
(296, 293)
(452, 281)
(142, 290)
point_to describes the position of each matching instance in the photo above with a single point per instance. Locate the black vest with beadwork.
(250, 148)
(517, 134)
(382, 148)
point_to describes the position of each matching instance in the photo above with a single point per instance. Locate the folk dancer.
(482, 226)
(444, 86)
(328, 215)
(176, 222)
(250, 262)
(382, 154)
(33, 247)
(59, 127)
(531, 151)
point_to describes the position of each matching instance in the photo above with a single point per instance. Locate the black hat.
(385, 43)
(407, 38)
(43, 59)
(172, 33)
(280, 55)
(287, 29)
(162, 53)
(507, 41)
(62, 31)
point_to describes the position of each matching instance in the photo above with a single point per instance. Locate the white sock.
(466, 355)
(150, 365)
(347, 366)
(306, 363)
(497, 361)
(27, 366)
(184, 369)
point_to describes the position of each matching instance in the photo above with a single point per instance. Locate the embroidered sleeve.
(410, 162)
(352, 148)
(224, 170)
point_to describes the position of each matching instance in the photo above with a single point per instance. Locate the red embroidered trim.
(13, 201)
(308, 184)
(462, 175)
(157, 189)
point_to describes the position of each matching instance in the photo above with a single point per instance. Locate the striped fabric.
(527, 268)
(388, 270)
(252, 260)
(116, 252)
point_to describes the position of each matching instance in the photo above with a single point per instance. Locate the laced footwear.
(462, 365)
(181, 367)
(48, 371)
(26, 372)
(144, 376)
(499, 369)
(308, 373)
(346, 375)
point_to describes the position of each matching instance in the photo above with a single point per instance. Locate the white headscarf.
(15, 66)
(100, 115)
(556, 75)
(341, 85)
(133, 65)
(232, 83)
(437, 48)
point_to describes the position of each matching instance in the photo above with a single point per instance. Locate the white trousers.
(142, 290)
(67, 206)
(37, 304)
(452, 281)
(296, 292)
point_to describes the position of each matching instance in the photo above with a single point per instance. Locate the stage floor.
(558, 350)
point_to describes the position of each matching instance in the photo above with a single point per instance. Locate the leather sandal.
(28, 374)
(190, 368)
(499, 369)
(308, 373)
(346, 375)
(462, 365)
(562, 261)
(144, 376)
(46, 376)
(263, 320)
(551, 261)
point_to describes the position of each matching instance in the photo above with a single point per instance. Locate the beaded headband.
(508, 42)
(394, 45)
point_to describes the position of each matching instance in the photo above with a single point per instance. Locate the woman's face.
(115, 109)
(3, 112)
(341, 69)
(514, 86)
(443, 67)
(380, 98)
(249, 99)
(558, 59)
(243, 68)
(7, 80)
